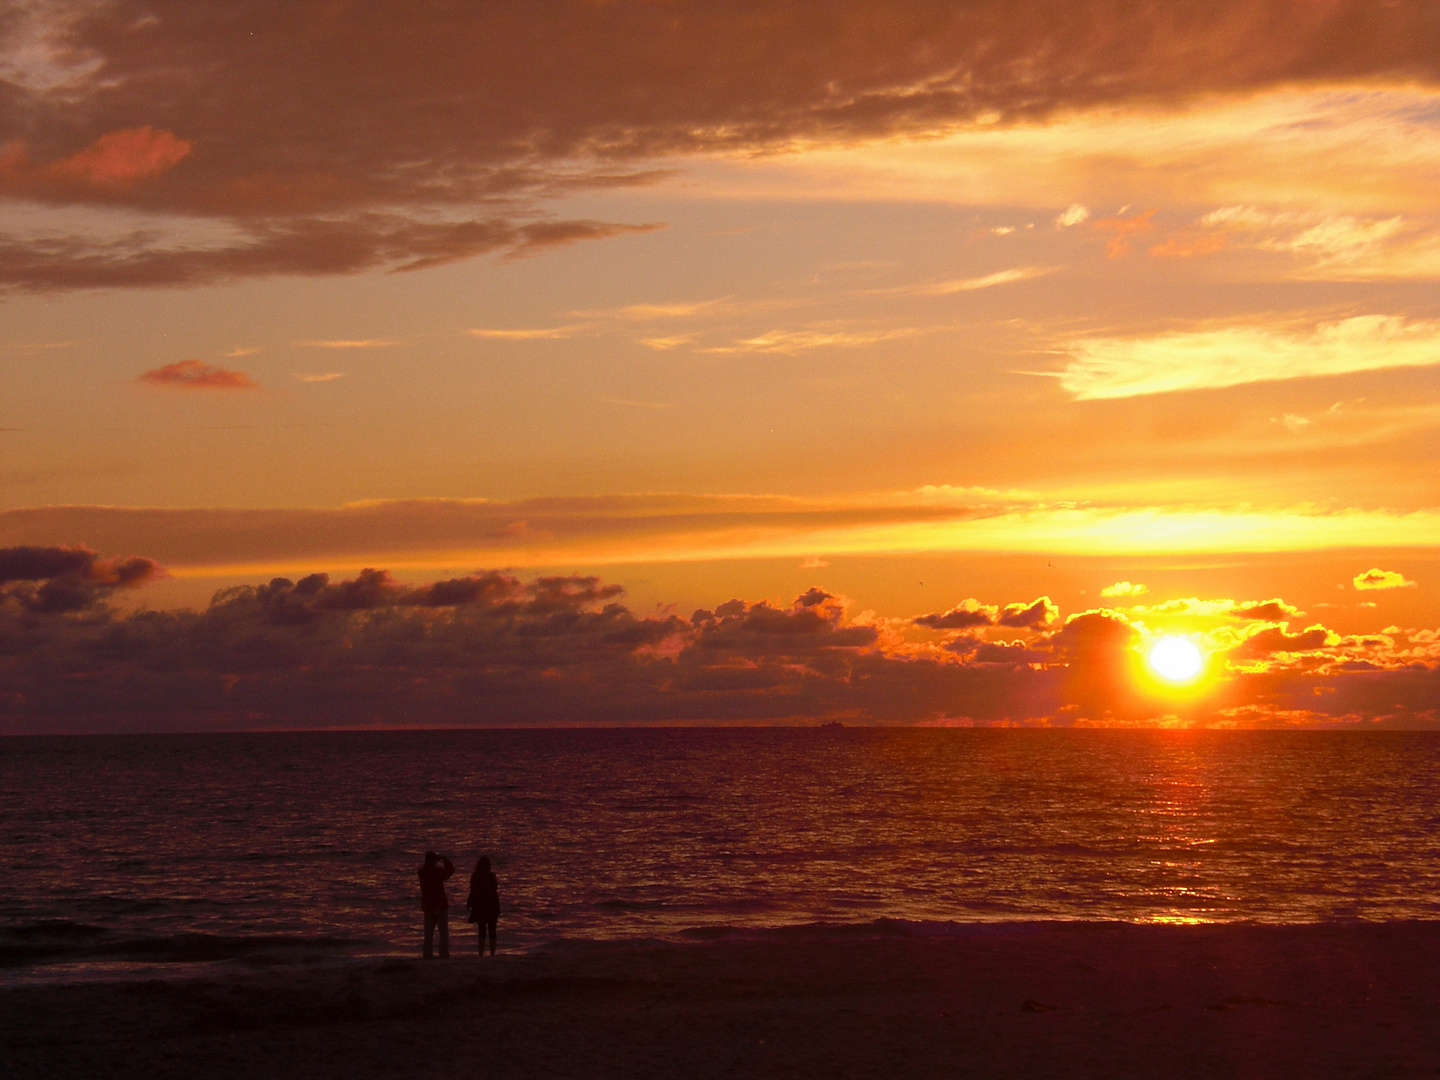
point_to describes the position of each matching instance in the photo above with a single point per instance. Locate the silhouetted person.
(484, 901)
(433, 901)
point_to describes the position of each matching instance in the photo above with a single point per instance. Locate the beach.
(884, 999)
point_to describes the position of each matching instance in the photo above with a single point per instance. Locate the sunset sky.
(1009, 336)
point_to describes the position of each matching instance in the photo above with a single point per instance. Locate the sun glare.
(1175, 659)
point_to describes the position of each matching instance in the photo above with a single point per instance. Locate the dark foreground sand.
(1063, 1000)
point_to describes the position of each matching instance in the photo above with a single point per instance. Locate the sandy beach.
(1057, 1000)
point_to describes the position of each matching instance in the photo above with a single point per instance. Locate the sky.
(638, 361)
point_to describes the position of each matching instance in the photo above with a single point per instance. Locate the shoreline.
(29, 951)
(1036, 999)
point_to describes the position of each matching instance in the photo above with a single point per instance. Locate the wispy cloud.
(1209, 359)
(795, 341)
(959, 285)
(318, 377)
(358, 343)
(1122, 230)
(1054, 104)
(654, 312)
(528, 334)
(677, 528)
(198, 375)
(664, 343)
(1335, 247)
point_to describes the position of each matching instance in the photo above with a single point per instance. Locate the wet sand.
(1053, 1001)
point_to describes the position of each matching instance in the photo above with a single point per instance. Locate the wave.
(54, 941)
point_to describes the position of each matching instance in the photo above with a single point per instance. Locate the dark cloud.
(1265, 611)
(1097, 649)
(197, 375)
(979, 651)
(1030, 616)
(961, 617)
(335, 137)
(274, 247)
(56, 580)
(485, 648)
(490, 648)
(1278, 639)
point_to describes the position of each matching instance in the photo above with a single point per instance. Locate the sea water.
(120, 852)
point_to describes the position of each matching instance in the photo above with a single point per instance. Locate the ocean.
(124, 855)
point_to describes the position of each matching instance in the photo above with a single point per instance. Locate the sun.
(1175, 659)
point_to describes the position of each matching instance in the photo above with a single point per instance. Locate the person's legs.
(429, 934)
(489, 926)
(443, 918)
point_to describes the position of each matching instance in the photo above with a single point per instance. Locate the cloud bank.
(594, 530)
(489, 648)
(331, 139)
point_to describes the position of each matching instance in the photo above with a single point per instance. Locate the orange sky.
(1016, 299)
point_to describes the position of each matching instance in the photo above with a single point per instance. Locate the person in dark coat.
(433, 901)
(484, 902)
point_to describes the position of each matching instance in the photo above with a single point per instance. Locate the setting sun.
(1175, 659)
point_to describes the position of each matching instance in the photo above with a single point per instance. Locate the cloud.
(1208, 359)
(272, 246)
(198, 375)
(336, 141)
(364, 343)
(1124, 588)
(1188, 245)
(658, 312)
(540, 333)
(1375, 578)
(1275, 610)
(1335, 247)
(665, 343)
(490, 648)
(319, 377)
(544, 235)
(1075, 214)
(1039, 613)
(1122, 229)
(116, 159)
(1366, 150)
(57, 580)
(595, 530)
(968, 614)
(1278, 639)
(949, 288)
(790, 342)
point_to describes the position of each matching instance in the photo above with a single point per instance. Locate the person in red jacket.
(433, 901)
